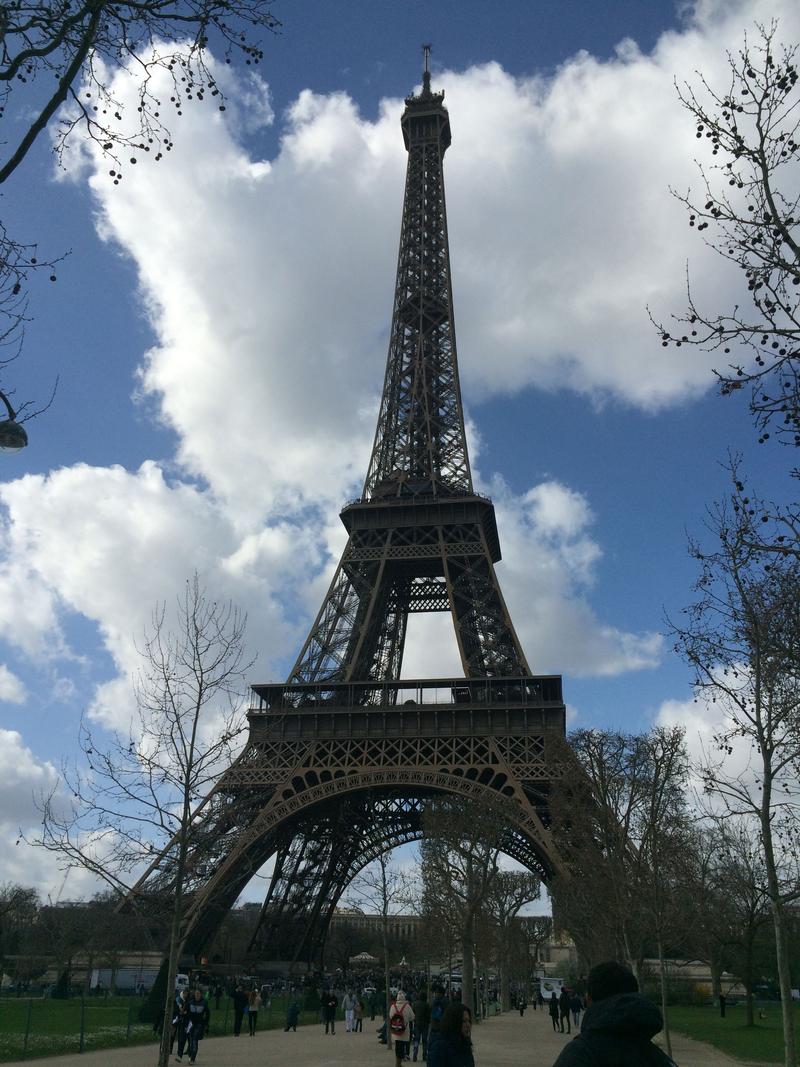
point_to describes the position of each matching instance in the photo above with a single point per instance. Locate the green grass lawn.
(762, 1042)
(54, 1026)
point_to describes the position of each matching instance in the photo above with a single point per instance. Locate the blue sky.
(219, 333)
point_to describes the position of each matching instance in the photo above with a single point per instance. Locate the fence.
(37, 1026)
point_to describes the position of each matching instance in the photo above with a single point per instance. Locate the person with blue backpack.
(438, 1005)
(422, 1021)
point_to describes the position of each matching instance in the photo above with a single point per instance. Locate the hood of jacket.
(628, 1015)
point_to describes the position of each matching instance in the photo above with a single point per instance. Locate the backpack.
(397, 1022)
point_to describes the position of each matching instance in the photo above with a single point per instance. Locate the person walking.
(239, 1005)
(253, 1004)
(180, 1023)
(401, 1018)
(292, 1014)
(563, 1009)
(330, 1003)
(618, 1026)
(552, 1007)
(453, 1044)
(523, 1003)
(422, 1021)
(358, 1028)
(576, 1007)
(199, 1018)
(349, 1009)
(438, 1006)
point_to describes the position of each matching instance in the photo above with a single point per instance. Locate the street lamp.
(12, 433)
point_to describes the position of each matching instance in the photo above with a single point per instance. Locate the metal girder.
(360, 630)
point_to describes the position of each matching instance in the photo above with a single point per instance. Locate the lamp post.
(12, 433)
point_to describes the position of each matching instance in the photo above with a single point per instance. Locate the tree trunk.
(785, 983)
(778, 919)
(467, 972)
(664, 1006)
(505, 982)
(716, 978)
(175, 949)
(387, 995)
(87, 978)
(176, 942)
(748, 981)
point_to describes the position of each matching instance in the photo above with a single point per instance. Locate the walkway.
(505, 1041)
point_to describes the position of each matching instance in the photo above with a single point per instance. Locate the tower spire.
(426, 74)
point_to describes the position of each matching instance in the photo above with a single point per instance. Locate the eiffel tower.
(343, 757)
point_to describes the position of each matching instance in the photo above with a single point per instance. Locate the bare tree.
(18, 263)
(537, 930)
(70, 50)
(661, 834)
(19, 908)
(344, 940)
(597, 816)
(381, 889)
(57, 63)
(618, 822)
(739, 637)
(742, 873)
(509, 893)
(459, 864)
(750, 207)
(140, 792)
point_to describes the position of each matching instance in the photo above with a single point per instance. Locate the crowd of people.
(614, 1022)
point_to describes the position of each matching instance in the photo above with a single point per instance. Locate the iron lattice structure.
(342, 759)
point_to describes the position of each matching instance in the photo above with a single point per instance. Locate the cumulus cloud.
(108, 545)
(738, 763)
(548, 564)
(12, 689)
(22, 776)
(268, 282)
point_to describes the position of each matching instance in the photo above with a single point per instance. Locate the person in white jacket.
(401, 1016)
(349, 1009)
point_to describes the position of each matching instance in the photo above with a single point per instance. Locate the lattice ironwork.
(342, 759)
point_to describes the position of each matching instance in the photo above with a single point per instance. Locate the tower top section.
(425, 119)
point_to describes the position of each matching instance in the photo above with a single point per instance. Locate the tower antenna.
(426, 74)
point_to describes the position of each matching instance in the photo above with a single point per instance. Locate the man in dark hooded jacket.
(618, 1025)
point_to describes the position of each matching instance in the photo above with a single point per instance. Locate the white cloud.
(548, 561)
(737, 761)
(109, 545)
(269, 283)
(12, 689)
(22, 777)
